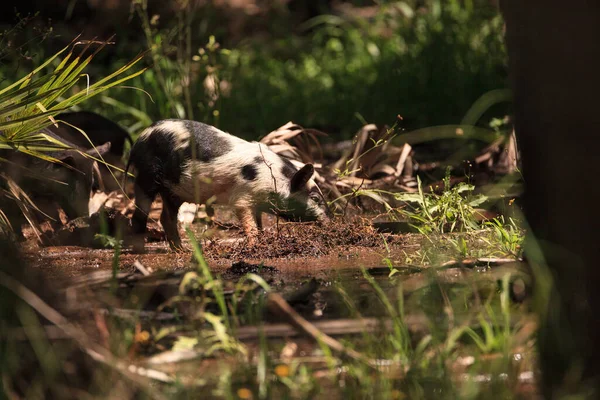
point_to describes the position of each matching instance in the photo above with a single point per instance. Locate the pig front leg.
(246, 215)
(143, 203)
(258, 219)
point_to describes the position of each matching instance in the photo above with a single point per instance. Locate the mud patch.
(307, 240)
(83, 231)
(242, 268)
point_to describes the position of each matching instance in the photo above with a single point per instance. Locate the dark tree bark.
(554, 55)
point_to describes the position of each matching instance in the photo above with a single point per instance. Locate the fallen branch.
(479, 262)
(415, 324)
(277, 305)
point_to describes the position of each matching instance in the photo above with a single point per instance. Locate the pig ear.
(301, 177)
(102, 149)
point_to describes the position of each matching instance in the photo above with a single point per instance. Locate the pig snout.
(65, 185)
(326, 216)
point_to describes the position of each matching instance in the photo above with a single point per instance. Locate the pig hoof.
(136, 242)
(176, 247)
(138, 249)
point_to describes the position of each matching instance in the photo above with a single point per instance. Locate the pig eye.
(315, 197)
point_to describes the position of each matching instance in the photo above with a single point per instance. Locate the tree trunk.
(554, 60)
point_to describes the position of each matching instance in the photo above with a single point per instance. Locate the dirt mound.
(300, 239)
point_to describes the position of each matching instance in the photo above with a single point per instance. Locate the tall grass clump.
(184, 80)
(446, 212)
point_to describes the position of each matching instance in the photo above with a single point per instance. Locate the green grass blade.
(35, 71)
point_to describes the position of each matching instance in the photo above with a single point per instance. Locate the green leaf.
(27, 106)
(483, 103)
(464, 187)
(478, 200)
(185, 343)
(409, 197)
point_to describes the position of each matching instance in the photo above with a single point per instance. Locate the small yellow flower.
(282, 371)
(142, 337)
(244, 393)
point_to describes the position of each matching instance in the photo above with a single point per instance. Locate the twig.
(170, 357)
(476, 262)
(274, 181)
(140, 267)
(418, 324)
(402, 160)
(277, 304)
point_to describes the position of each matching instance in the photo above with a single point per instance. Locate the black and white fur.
(188, 161)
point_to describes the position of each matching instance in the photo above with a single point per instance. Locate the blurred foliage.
(427, 60)
(429, 65)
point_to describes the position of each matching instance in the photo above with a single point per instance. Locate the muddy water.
(340, 268)
(321, 286)
(75, 261)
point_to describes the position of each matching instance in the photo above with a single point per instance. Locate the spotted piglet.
(188, 161)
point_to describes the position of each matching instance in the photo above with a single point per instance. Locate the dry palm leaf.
(295, 142)
(25, 204)
(373, 155)
(5, 226)
(406, 149)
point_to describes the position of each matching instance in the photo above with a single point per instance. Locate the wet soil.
(317, 269)
(295, 249)
(286, 255)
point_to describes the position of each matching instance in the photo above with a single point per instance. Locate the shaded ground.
(293, 248)
(322, 273)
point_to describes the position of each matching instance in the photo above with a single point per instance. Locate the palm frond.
(30, 104)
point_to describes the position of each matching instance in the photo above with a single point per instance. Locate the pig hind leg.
(145, 192)
(168, 219)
